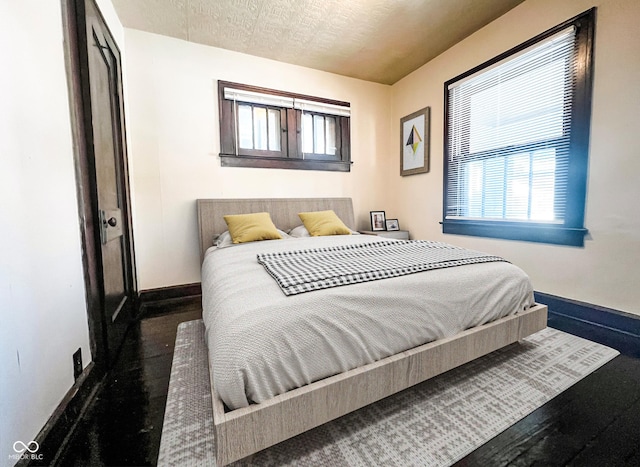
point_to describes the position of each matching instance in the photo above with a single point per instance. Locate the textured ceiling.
(374, 40)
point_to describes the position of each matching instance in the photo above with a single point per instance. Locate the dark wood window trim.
(290, 155)
(571, 231)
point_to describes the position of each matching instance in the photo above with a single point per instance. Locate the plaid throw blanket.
(321, 268)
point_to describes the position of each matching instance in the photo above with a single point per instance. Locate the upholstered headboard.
(284, 213)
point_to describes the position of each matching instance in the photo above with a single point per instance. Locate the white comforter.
(262, 343)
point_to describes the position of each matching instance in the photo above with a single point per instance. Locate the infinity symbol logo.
(20, 447)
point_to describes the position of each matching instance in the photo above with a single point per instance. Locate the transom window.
(259, 127)
(267, 128)
(517, 130)
(318, 134)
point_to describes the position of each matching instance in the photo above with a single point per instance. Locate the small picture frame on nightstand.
(378, 221)
(392, 224)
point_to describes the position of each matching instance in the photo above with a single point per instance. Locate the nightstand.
(396, 234)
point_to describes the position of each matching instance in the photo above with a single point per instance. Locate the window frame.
(572, 230)
(338, 140)
(282, 137)
(290, 155)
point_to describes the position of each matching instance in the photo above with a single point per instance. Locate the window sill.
(539, 233)
(230, 160)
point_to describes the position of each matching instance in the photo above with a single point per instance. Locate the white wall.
(605, 271)
(174, 144)
(43, 318)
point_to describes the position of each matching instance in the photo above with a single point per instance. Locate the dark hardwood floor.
(123, 425)
(596, 422)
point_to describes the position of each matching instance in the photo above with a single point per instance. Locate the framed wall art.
(414, 142)
(378, 220)
(392, 224)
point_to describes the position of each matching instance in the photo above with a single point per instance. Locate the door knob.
(112, 222)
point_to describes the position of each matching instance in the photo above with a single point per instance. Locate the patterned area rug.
(434, 423)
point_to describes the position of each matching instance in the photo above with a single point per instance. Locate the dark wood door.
(103, 111)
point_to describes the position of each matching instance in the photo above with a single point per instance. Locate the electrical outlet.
(77, 364)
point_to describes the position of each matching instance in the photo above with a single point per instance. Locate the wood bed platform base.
(242, 432)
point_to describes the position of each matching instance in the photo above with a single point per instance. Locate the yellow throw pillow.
(320, 223)
(251, 227)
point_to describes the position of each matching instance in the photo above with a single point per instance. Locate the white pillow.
(224, 239)
(299, 232)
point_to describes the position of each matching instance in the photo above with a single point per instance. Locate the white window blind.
(508, 142)
(323, 108)
(242, 95)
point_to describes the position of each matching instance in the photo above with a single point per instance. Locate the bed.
(335, 382)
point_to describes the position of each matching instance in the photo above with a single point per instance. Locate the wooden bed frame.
(242, 432)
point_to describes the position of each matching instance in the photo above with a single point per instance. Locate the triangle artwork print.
(414, 143)
(414, 139)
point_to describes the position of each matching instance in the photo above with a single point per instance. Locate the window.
(259, 128)
(318, 134)
(517, 134)
(275, 129)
